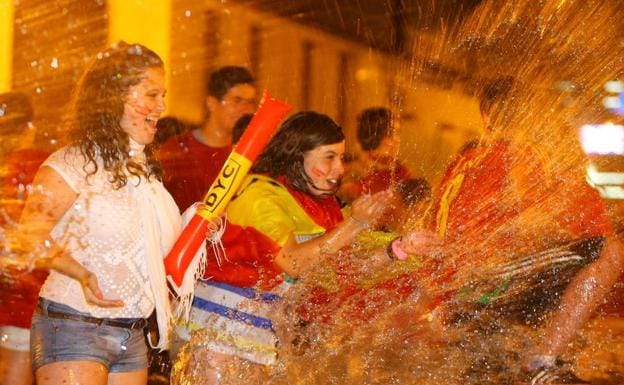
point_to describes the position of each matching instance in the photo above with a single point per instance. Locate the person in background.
(19, 287)
(378, 168)
(284, 220)
(501, 187)
(192, 160)
(100, 207)
(170, 126)
(412, 199)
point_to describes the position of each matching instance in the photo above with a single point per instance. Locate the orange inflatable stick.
(254, 139)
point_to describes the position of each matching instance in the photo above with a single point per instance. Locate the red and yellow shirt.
(262, 217)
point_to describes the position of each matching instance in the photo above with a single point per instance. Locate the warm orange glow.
(6, 44)
(147, 22)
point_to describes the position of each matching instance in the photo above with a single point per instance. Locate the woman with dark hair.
(100, 207)
(284, 220)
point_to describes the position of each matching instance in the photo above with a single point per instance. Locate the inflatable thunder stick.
(256, 136)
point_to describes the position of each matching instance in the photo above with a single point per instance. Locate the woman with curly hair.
(99, 208)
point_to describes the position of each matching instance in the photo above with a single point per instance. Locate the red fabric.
(584, 212)
(474, 213)
(249, 259)
(477, 212)
(386, 173)
(19, 289)
(250, 253)
(190, 167)
(476, 207)
(325, 212)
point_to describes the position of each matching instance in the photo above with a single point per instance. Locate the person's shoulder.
(74, 167)
(178, 140)
(263, 185)
(260, 193)
(27, 155)
(67, 154)
(180, 146)
(170, 126)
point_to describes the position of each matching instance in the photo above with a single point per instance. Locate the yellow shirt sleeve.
(270, 209)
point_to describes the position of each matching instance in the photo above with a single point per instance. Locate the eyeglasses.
(237, 101)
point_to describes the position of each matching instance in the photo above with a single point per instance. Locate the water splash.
(560, 54)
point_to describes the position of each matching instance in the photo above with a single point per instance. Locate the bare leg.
(72, 373)
(213, 366)
(583, 295)
(15, 367)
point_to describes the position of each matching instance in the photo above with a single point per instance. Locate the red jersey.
(19, 289)
(487, 187)
(474, 211)
(386, 172)
(190, 167)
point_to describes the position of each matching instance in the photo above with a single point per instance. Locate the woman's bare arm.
(47, 203)
(296, 258)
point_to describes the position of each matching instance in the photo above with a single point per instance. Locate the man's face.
(237, 101)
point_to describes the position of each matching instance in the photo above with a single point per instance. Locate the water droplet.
(187, 13)
(54, 63)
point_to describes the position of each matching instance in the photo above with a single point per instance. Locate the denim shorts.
(54, 339)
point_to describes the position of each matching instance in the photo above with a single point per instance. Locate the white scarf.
(162, 224)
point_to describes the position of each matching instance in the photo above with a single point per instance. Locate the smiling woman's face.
(145, 102)
(324, 166)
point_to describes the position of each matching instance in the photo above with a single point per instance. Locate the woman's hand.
(418, 242)
(93, 294)
(368, 209)
(215, 224)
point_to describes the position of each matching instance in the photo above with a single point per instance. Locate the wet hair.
(98, 106)
(374, 125)
(494, 93)
(414, 190)
(16, 111)
(240, 126)
(299, 134)
(221, 80)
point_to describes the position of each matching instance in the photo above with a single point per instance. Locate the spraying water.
(348, 322)
(351, 323)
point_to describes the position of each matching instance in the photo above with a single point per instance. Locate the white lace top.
(114, 234)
